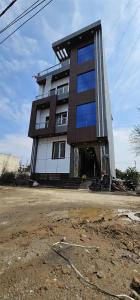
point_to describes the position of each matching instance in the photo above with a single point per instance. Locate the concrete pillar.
(34, 155)
(74, 162)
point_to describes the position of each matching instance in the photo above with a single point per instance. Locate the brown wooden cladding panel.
(46, 132)
(85, 134)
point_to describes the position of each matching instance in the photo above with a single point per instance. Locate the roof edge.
(76, 33)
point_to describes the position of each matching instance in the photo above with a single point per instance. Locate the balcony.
(41, 125)
(58, 67)
(61, 92)
(61, 123)
(61, 128)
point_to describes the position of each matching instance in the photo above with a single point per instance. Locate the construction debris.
(83, 278)
(136, 283)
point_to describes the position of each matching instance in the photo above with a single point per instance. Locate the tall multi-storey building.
(71, 121)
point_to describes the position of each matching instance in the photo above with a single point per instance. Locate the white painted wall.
(61, 108)
(43, 89)
(42, 114)
(51, 85)
(62, 81)
(44, 161)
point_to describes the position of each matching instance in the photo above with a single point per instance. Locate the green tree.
(132, 174)
(120, 174)
(135, 139)
(129, 174)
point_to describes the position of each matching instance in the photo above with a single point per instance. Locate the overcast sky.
(29, 51)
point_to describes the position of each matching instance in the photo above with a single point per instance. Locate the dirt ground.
(33, 219)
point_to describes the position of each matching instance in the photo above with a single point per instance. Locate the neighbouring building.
(71, 121)
(9, 163)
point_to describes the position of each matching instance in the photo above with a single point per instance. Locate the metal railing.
(60, 91)
(41, 125)
(63, 90)
(53, 68)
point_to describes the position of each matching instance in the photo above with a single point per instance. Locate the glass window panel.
(85, 81)
(61, 119)
(86, 115)
(47, 122)
(62, 89)
(62, 149)
(58, 150)
(55, 150)
(86, 53)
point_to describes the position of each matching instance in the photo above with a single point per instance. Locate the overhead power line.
(4, 11)
(126, 29)
(26, 21)
(127, 58)
(23, 14)
(115, 24)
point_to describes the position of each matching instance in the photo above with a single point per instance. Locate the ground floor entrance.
(88, 162)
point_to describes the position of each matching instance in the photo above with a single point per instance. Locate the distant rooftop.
(62, 47)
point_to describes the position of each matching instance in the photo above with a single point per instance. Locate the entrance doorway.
(88, 164)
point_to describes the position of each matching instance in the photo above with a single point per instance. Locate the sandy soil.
(32, 220)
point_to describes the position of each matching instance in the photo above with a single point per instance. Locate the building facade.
(9, 163)
(71, 121)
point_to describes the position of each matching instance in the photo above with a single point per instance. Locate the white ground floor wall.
(44, 161)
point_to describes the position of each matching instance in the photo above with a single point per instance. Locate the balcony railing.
(60, 129)
(53, 68)
(60, 91)
(41, 125)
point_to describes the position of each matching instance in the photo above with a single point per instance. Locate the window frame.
(61, 116)
(59, 149)
(79, 90)
(84, 47)
(84, 113)
(62, 86)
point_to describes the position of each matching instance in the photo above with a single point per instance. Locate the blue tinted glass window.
(85, 53)
(86, 81)
(86, 115)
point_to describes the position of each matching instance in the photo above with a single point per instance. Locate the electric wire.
(1, 42)
(126, 60)
(115, 24)
(130, 20)
(8, 7)
(23, 14)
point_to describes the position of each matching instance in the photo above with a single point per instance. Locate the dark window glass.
(62, 150)
(85, 81)
(86, 115)
(85, 53)
(47, 122)
(58, 150)
(55, 150)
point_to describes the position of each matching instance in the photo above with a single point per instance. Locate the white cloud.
(49, 33)
(18, 113)
(124, 155)
(76, 17)
(16, 144)
(22, 45)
